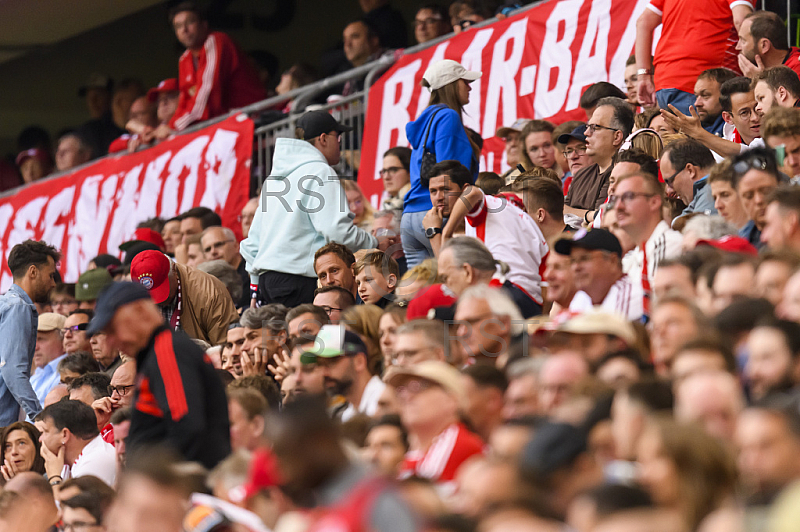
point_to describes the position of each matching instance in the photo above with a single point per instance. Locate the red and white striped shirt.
(514, 238)
(222, 79)
(440, 462)
(624, 298)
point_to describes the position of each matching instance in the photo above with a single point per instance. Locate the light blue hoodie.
(302, 208)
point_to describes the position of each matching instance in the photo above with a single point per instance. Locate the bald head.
(559, 373)
(712, 399)
(55, 395)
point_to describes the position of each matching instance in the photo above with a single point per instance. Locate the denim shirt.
(18, 324)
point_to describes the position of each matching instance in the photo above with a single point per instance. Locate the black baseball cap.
(315, 123)
(600, 239)
(578, 134)
(554, 446)
(111, 298)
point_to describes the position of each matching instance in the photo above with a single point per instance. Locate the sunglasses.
(75, 328)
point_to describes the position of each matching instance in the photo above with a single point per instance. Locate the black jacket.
(180, 401)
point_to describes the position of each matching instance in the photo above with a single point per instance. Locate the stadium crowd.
(604, 338)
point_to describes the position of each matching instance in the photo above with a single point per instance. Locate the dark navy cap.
(599, 239)
(315, 123)
(577, 134)
(554, 446)
(111, 298)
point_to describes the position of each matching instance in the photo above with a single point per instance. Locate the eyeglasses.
(121, 390)
(77, 526)
(592, 128)
(62, 302)
(589, 257)
(408, 353)
(430, 21)
(628, 197)
(328, 309)
(216, 245)
(668, 180)
(390, 170)
(580, 150)
(75, 328)
(751, 163)
(464, 24)
(414, 387)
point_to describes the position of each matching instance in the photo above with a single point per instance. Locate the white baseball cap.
(447, 71)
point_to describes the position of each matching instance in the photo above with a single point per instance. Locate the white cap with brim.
(599, 322)
(435, 371)
(50, 321)
(447, 71)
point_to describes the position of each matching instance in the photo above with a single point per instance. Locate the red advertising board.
(535, 64)
(96, 208)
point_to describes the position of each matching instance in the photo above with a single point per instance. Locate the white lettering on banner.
(91, 214)
(125, 216)
(26, 220)
(473, 60)
(502, 77)
(425, 94)
(556, 55)
(527, 80)
(616, 71)
(591, 68)
(191, 157)
(56, 216)
(6, 212)
(221, 164)
(395, 112)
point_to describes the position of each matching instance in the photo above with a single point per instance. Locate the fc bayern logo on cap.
(147, 282)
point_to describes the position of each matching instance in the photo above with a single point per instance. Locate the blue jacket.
(18, 323)
(447, 140)
(303, 207)
(703, 201)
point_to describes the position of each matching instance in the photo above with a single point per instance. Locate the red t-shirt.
(223, 80)
(792, 59)
(695, 36)
(441, 461)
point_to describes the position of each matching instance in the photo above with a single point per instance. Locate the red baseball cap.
(436, 295)
(168, 85)
(151, 268)
(263, 473)
(732, 244)
(36, 153)
(145, 234)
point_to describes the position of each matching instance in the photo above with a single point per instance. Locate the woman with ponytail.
(437, 135)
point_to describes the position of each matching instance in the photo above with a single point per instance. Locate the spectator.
(361, 43)
(33, 506)
(776, 87)
(189, 300)
(189, 403)
(705, 354)
(558, 377)
(431, 21)
(596, 92)
(32, 266)
(166, 96)
(97, 94)
(633, 405)
(84, 509)
(70, 439)
(608, 127)
(487, 219)
(88, 389)
(727, 202)
(62, 299)
(544, 202)
(47, 354)
(448, 82)
(305, 321)
(417, 341)
(686, 165)
(537, 143)
(376, 278)
(707, 98)
(386, 445)
(767, 439)
(277, 248)
(171, 234)
(674, 321)
(597, 265)
(631, 77)
(220, 243)
(119, 395)
(763, 44)
(141, 120)
(782, 129)
(247, 410)
(713, 400)
(386, 224)
(34, 164)
(774, 347)
(396, 177)
(756, 174)
(196, 220)
(72, 151)
(333, 265)
(705, 39)
(74, 331)
(333, 300)
(772, 274)
(488, 323)
(514, 147)
(264, 335)
(75, 365)
(298, 75)
(782, 219)
(214, 74)
(121, 423)
(20, 444)
(430, 395)
(574, 151)
(248, 213)
(699, 475)
(231, 356)
(358, 205)
(560, 281)
(388, 22)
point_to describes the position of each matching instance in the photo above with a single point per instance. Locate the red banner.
(96, 208)
(534, 64)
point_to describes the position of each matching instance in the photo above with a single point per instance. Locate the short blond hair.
(782, 122)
